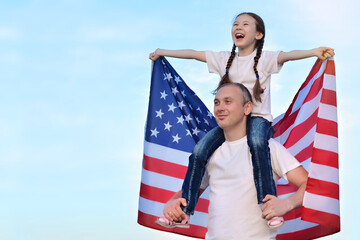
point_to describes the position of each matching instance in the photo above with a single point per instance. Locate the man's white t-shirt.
(233, 211)
(241, 71)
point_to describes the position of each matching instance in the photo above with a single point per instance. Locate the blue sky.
(74, 84)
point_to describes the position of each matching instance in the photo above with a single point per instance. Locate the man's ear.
(248, 108)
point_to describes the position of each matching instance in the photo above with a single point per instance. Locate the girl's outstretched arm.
(322, 53)
(187, 54)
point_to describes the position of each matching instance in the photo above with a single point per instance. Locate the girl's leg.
(197, 165)
(259, 131)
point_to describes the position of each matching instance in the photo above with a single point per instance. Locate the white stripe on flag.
(306, 110)
(326, 142)
(328, 112)
(303, 93)
(324, 173)
(156, 209)
(329, 82)
(321, 203)
(304, 141)
(166, 182)
(150, 207)
(161, 181)
(165, 153)
(296, 223)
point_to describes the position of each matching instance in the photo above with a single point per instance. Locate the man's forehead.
(230, 91)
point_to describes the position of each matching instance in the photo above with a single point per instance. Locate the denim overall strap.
(197, 166)
(259, 131)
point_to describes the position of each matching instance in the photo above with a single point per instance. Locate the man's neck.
(234, 134)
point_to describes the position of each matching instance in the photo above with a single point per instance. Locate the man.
(233, 210)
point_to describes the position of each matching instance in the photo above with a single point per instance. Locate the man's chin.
(222, 125)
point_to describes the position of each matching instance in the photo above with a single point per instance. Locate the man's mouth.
(221, 117)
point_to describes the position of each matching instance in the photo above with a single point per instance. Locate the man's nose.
(220, 107)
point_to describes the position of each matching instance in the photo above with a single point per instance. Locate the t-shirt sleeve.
(205, 180)
(216, 61)
(270, 62)
(281, 159)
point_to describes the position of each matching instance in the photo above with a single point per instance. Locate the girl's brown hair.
(260, 27)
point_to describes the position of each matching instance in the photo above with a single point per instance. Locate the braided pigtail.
(225, 78)
(257, 90)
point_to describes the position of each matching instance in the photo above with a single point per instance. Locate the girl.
(252, 67)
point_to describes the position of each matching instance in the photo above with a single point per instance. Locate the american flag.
(308, 130)
(177, 119)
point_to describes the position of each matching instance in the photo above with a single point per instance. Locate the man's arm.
(322, 53)
(186, 54)
(172, 210)
(274, 207)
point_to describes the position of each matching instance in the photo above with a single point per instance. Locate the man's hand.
(275, 207)
(172, 210)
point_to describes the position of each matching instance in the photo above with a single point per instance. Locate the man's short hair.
(244, 91)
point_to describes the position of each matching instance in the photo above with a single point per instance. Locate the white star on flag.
(171, 107)
(177, 79)
(168, 76)
(180, 119)
(167, 126)
(163, 95)
(183, 93)
(159, 113)
(195, 131)
(188, 133)
(174, 91)
(154, 132)
(176, 138)
(181, 104)
(188, 118)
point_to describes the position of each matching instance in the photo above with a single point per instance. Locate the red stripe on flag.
(288, 120)
(301, 130)
(322, 218)
(164, 167)
(286, 189)
(148, 220)
(330, 67)
(281, 126)
(327, 127)
(155, 194)
(305, 153)
(323, 188)
(315, 69)
(315, 89)
(162, 196)
(328, 97)
(325, 158)
(296, 213)
(307, 234)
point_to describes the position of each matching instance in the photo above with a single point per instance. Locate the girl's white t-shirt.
(233, 210)
(242, 71)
